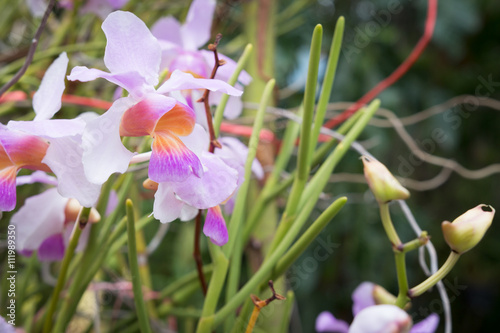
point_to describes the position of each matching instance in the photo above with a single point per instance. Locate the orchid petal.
(36, 177)
(326, 322)
(215, 226)
(198, 141)
(47, 99)
(132, 81)
(190, 62)
(166, 207)
(103, 151)
(40, 217)
(172, 160)
(23, 150)
(131, 47)
(383, 318)
(188, 213)
(8, 189)
(428, 325)
(141, 119)
(196, 30)
(362, 297)
(53, 128)
(167, 29)
(180, 80)
(64, 157)
(214, 187)
(52, 248)
(6, 327)
(99, 7)
(117, 4)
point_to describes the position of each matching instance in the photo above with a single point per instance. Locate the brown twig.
(204, 99)
(197, 253)
(259, 304)
(32, 49)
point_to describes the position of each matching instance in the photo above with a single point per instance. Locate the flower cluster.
(84, 152)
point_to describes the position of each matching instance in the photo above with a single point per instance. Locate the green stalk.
(68, 255)
(266, 268)
(272, 189)
(303, 161)
(221, 264)
(305, 240)
(388, 225)
(134, 269)
(416, 243)
(320, 179)
(237, 217)
(219, 111)
(402, 299)
(234, 248)
(436, 277)
(285, 323)
(326, 88)
(179, 283)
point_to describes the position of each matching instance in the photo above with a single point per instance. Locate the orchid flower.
(181, 51)
(48, 145)
(369, 317)
(133, 57)
(99, 7)
(45, 221)
(183, 199)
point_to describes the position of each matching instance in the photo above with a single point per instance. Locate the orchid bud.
(383, 318)
(468, 229)
(383, 184)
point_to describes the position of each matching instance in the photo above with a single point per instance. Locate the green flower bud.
(468, 229)
(383, 184)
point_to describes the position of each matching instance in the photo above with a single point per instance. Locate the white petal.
(64, 157)
(166, 207)
(103, 151)
(47, 99)
(41, 216)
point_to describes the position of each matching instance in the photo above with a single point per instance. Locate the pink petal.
(214, 187)
(190, 62)
(8, 188)
(180, 80)
(141, 119)
(362, 297)
(167, 29)
(40, 217)
(103, 151)
(326, 322)
(23, 150)
(428, 325)
(215, 226)
(47, 99)
(52, 248)
(196, 30)
(131, 47)
(172, 160)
